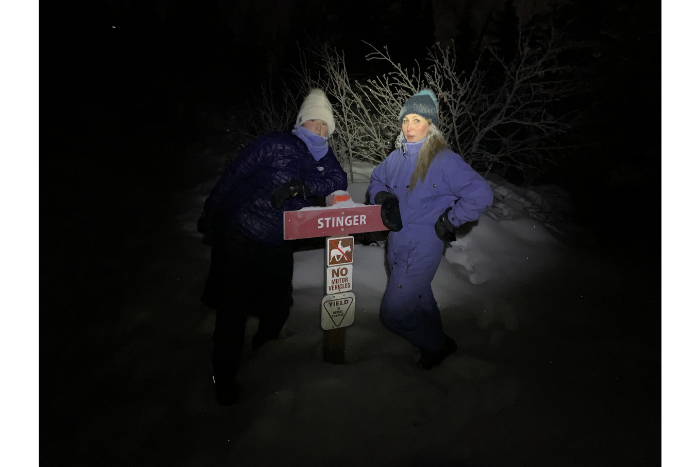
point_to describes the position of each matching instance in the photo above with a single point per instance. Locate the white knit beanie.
(316, 106)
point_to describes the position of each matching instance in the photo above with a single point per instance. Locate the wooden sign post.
(337, 309)
(335, 223)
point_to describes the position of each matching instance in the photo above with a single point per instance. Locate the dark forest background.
(173, 69)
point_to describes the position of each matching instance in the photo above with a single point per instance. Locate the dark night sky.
(157, 52)
(141, 58)
(132, 50)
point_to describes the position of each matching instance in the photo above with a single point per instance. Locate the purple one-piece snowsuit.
(409, 307)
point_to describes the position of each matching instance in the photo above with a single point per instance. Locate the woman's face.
(317, 126)
(414, 127)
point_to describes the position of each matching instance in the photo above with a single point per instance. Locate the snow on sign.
(339, 250)
(337, 311)
(324, 222)
(339, 279)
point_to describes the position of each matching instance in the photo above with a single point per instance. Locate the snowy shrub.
(519, 123)
(361, 130)
(505, 115)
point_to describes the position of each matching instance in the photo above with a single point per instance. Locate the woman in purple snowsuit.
(426, 192)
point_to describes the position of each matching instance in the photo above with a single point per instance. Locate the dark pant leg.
(276, 296)
(234, 285)
(229, 333)
(408, 307)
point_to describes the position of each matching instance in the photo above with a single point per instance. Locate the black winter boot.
(430, 359)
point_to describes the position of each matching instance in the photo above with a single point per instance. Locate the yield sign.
(337, 310)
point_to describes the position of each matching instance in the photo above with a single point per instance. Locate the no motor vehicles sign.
(339, 279)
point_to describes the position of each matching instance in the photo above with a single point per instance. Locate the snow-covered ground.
(502, 279)
(558, 361)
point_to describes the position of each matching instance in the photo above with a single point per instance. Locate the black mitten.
(444, 228)
(381, 196)
(288, 190)
(391, 216)
(205, 224)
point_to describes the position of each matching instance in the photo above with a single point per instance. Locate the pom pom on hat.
(423, 103)
(317, 106)
(427, 92)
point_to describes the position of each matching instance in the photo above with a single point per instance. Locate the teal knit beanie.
(423, 103)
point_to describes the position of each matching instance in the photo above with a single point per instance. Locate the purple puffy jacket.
(242, 194)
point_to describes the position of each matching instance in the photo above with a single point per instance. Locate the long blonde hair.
(434, 143)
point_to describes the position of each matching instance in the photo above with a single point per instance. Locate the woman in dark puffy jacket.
(251, 263)
(426, 192)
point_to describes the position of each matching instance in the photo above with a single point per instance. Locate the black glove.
(288, 190)
(444, 229)
(391, 216)
(205, 224)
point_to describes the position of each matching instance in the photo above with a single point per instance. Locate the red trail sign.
(325, 222)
